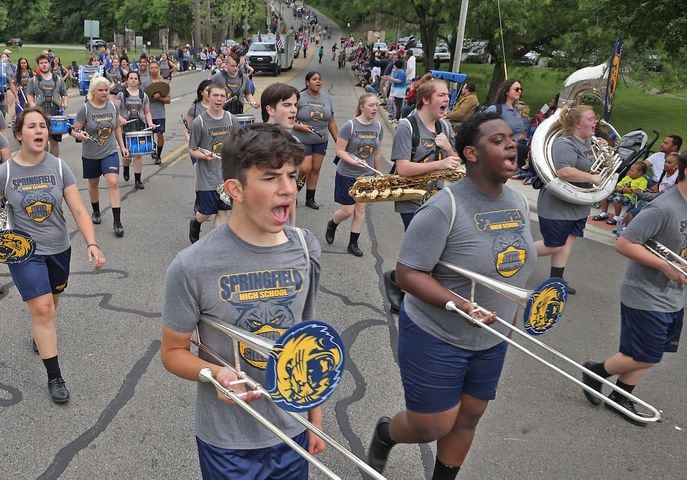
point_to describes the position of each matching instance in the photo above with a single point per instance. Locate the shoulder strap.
(453, 209)
(415, 135)
(7, 180)
(304, 246)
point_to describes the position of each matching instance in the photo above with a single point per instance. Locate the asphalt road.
(128, 418)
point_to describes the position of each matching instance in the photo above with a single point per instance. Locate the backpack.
(483, 108)
(415, 136)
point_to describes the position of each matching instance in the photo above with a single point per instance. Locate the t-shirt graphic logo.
(38, 205)
(509, 254)
(265, 319)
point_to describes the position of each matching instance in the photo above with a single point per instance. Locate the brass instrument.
(16, 246)
(545, 318)
(673, 259)
(395, 188)
(304, 366)
(586, 82)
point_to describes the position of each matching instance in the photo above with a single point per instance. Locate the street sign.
(91, 28)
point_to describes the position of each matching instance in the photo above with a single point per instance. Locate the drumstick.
(365, 164)
(208, 152)
(374, 169)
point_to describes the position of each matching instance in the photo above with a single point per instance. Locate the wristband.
(92, 245)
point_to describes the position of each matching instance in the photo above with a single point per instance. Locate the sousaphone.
(584, 83)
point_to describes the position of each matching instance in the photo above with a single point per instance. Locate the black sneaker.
(628, 404)
(593, 383)
(194, 231)
(139, 185)
(353, 249)
(118, 229)
(126, 173)
(571, 290)
(95, 216)
(331, 231)
(311, 203)
(157, 159)
(58, 390)
(378, 453)
(393, 293)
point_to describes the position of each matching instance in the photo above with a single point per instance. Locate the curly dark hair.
(263, 145)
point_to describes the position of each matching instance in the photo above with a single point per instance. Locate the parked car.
(381, 46)
(402, 41)
(442, 54)
(479, 53)
(530, 58)
(653, 63)
(95, 44)
(16, 41)
(419, 53)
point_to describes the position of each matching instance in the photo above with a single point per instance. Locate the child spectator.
(624, 194)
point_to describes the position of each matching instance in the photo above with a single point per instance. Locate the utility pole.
(460, 35)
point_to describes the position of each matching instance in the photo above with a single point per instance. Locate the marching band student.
(133, 106)
(652, 295)
(209, 132)
(278, 104)
(316, 119)
(358, 147)
(198, 106)
(157, 109)
(449, 368)
(48, 91)
(434, 151)
(97, 126)
(561, 222)
(44, 276)
(259, 171)
(167, 67)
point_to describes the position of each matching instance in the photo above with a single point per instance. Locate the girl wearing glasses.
(508, 95)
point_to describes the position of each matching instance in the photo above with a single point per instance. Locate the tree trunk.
(196, 24)
(497, 77)
(208, 23)
(428, 34)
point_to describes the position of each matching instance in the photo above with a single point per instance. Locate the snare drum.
(245, 119)
(58, 125)
(139, 143)
(71, 120)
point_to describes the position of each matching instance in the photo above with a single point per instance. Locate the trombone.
(525, 297)
(673, 259)
(311, 339)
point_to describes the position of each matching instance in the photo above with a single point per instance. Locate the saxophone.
(395, 188)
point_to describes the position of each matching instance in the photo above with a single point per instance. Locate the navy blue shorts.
(209, 203)
(556, 232)
(435, 374)
(319, 148)
(646, 335)
(279, 462)
(160, 122)
(42, 274)
(341, 186)
(94, 167)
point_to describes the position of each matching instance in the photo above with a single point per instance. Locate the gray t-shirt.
(567, 151)
(100, 124)
(47, 93)
(35, 195)
(663, 220)
(132, 107)
(363, 142)
(195, 109)
(157, 108)
(426, 151)
(210, 134)
(316, 112)
(263, 290)
(236, 86)
(490, 235)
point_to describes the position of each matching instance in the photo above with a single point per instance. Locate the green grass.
(80, 56)
(634, 107)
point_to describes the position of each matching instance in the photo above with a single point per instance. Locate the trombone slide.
(451, 306)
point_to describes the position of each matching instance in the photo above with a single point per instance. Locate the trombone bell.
(542, 307)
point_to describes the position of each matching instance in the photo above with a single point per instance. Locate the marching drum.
(71, 120)
(139, 143)
(245, 119)
(86, 73)
(59, 124)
